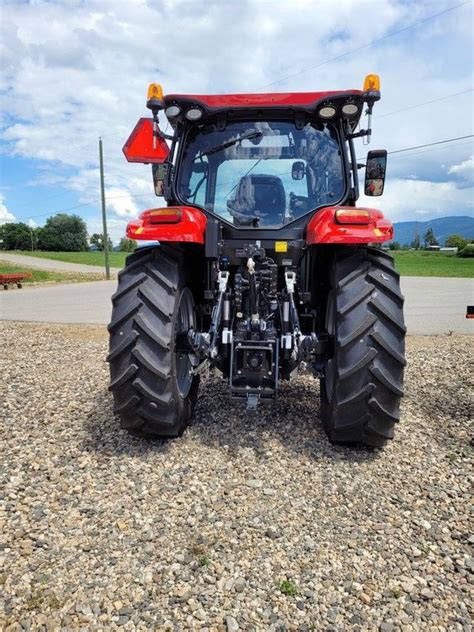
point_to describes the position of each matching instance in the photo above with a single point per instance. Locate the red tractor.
(260, 263)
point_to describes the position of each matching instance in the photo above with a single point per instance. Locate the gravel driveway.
(250, 523)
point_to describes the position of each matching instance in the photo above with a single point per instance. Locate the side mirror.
(298, 170)
(160, 172)
(375, 167)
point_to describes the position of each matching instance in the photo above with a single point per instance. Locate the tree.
(429, 238)
(467, 251)
(127, 245)
(17, 236)
(97, 239)
(394, 246)
(63, 232)
(416, 242)
(456, 241)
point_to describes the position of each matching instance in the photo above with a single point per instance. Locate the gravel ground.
(243, 523)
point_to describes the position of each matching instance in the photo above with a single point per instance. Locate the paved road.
(52, 264)
(433, 305)
(62, 303)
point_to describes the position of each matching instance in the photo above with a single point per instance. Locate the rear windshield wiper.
(229, 143)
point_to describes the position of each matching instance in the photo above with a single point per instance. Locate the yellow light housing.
(372, 83)
(154, 97)
(155, 92)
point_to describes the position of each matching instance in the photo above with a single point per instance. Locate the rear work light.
(327, 112)
(194, 114)
(170, 215)
(173, 111)
(349, 109)
(353, 216)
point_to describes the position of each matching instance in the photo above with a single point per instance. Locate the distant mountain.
(442, 227)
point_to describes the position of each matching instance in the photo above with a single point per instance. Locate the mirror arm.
(359, 134)
(157, 133)
(164, 136)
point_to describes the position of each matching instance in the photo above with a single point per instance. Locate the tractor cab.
(256, 162)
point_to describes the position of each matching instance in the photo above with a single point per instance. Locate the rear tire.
(363, 381)
(154, 392)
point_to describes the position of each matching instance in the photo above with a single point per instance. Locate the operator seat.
(259, 200)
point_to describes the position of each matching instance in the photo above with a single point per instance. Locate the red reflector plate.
(139, 146)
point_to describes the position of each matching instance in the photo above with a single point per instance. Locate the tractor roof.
(299, 100)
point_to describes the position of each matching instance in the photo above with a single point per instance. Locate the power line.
(417, 105)
(355, 50)
(439, 142)
(427, 151)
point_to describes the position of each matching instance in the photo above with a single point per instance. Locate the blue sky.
(77, 70)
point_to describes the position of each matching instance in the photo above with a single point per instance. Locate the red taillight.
(353, 216)
(170, 215)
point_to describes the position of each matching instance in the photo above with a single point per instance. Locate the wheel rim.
(184, 322)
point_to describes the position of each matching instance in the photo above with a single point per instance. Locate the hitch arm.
(216, 317)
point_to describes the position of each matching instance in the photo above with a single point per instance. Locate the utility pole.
(104, 214)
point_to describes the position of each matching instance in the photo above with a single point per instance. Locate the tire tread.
(141, 347)
(369, 351)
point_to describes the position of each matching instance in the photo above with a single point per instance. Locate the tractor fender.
(175, 223)
(324, 228)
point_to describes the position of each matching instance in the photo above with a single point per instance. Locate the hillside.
(442, 228)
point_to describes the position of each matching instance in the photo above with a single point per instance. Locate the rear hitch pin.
(252, 402)
(290, 281)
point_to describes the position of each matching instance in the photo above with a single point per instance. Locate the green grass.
(288, 588)
(408, 262)
(116, 259)
(203, 560)
(43, 276)
(432, 264)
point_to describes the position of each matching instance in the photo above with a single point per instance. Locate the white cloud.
(465, 167)
(115, 228)
(120, 202)
(404, 199)
(32, 223)
(86, 74)
(5, 215)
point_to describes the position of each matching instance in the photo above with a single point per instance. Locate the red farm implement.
(14, 279)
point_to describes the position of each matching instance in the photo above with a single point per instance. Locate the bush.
(456, 241)
(467, 251)
(65, 233)
(97, 239)
(127, 245)
(17, 236)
